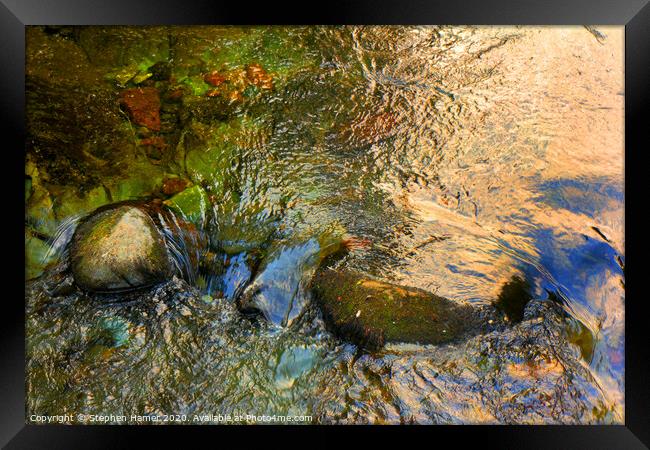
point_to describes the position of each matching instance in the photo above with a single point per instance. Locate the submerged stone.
(514, 297)
(69, 202)
(111, 331)
(39, 211)
(174, 185)
(118, 249)
(370, 312)
(37, 255)
(161, 71)
(278, 290)
(143, 106)
(214, 78)
(192, 203)
(257, 76)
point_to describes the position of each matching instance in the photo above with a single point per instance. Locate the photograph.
(325, 224)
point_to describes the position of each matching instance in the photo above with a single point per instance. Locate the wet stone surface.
(143, 105)
(117, 249)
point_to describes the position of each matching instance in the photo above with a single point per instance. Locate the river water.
(463, 155)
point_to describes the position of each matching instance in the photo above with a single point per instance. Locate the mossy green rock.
(371, 313)
(192, 204)
(37, 256)
(28, 189)
(70, 203)
(118, 249)
(39, 212)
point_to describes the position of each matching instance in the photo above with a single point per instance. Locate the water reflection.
(465, 155)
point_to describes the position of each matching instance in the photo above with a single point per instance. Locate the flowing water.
(463, 155)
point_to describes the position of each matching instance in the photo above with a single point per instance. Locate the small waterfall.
(58, 244)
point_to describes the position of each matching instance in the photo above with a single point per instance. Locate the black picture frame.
(634, 14)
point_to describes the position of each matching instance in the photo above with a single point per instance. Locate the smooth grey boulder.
(119, 249)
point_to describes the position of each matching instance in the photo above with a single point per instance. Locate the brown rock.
(154, 141)
(259, 77)
(214, 78)
(143, 106)
(173, 186)
(175, 94)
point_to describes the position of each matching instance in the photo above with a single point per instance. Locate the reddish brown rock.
(143, 106)
(173, 186)
(154, 141)
(259, 77)
(213, 93)
(235, 96)
(214, 78)
(175, 94)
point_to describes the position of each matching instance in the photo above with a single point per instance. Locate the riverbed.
(462, 156)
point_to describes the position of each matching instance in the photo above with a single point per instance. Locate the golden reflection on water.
(552, 108)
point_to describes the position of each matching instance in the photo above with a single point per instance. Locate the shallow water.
(464, 155)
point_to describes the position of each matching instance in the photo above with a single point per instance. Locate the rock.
(173, 186)
(143, 106)
(155, 146)
(278, 291)
(161, 71)
(111, 331)
(39, 213)
(370, 312)
(144, 180)
(514, 297)
(123, 75)
(259, 77)
(214, 78)
(192, 204)
(37, 255)
(118, 249)
(238, 272)
(70, 202)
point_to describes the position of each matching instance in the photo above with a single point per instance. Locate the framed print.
(382, 215)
